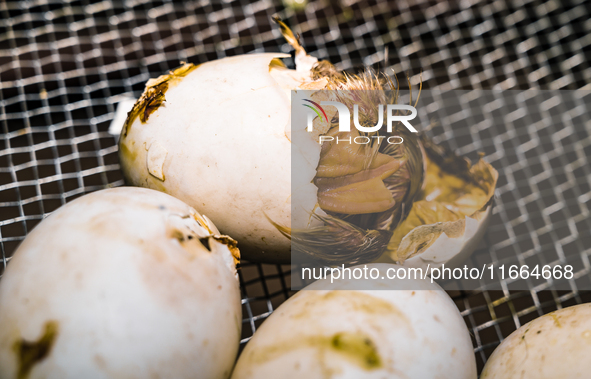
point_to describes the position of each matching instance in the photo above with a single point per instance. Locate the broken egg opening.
(222, 134)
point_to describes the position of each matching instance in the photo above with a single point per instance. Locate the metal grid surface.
(64, 66)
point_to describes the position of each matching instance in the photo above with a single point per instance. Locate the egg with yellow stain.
(362, 329)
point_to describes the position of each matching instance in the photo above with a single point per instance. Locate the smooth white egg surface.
(121, 283)
(390, 329)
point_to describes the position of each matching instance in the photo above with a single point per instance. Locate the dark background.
(64, 66)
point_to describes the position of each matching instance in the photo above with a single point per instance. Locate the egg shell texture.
(556, 345)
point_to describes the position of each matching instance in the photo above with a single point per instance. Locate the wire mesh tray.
(64, 67)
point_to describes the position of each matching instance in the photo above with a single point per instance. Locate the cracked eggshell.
(556, 345)
(390, 329)
(454, 251)
(451, 252)
(119, 283)
(222, 140)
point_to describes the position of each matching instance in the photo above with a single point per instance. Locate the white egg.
(219, 143)
(389, 329)
(556, 345)
(125, 283)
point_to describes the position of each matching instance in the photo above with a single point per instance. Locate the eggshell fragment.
(451, 252)
(155, 160)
